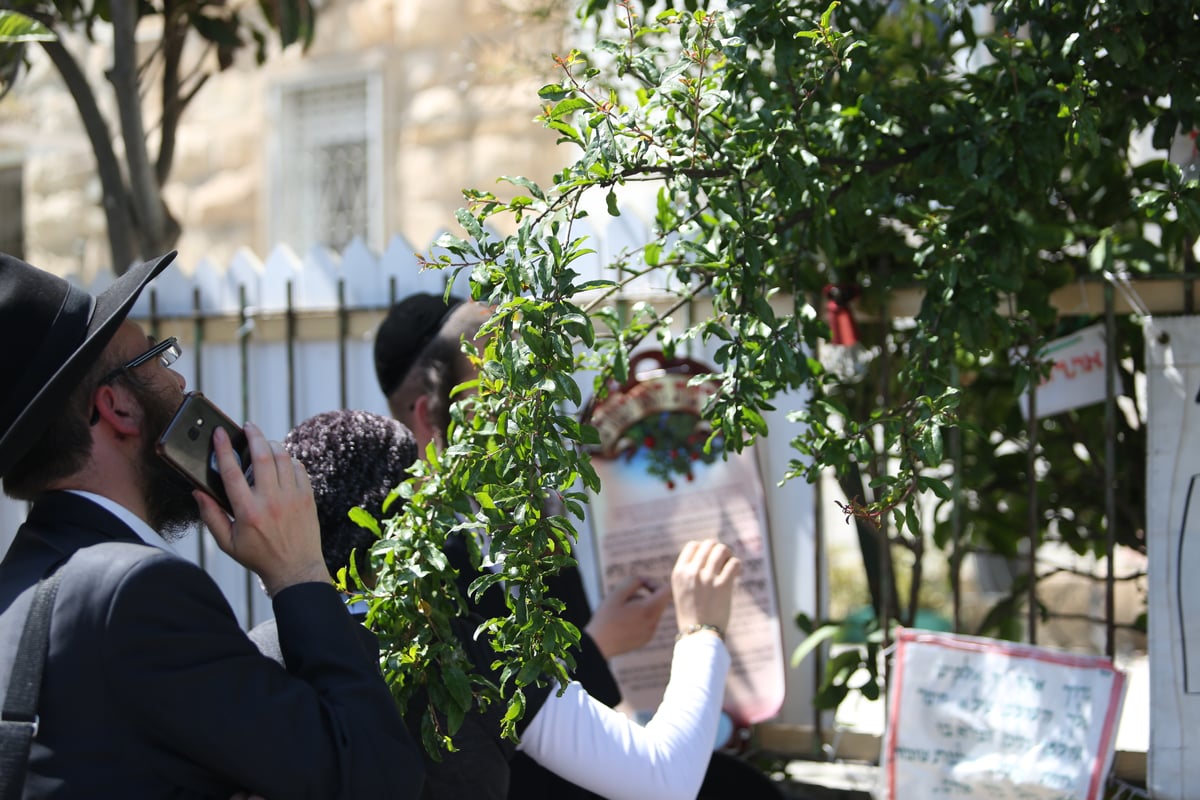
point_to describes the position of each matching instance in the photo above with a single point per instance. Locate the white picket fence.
(279, 339)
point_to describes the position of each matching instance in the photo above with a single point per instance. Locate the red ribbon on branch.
(842, 326)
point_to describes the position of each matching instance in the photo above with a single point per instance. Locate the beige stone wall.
(459, 82)
(40, 128)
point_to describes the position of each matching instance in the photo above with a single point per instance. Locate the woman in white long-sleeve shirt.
(602, 750)
(355, 458)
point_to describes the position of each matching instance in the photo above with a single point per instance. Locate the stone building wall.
(459, 81)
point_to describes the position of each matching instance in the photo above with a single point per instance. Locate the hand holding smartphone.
(186, 444)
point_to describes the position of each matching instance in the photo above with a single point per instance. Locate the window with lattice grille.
(326, 173)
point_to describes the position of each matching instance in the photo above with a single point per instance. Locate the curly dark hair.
(353, 458)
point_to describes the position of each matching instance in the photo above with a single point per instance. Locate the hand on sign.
(702, 583)
(627, 618)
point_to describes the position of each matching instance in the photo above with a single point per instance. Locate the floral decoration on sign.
(656, 415)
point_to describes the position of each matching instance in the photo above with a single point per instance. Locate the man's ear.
(118, 409)
(423, 428)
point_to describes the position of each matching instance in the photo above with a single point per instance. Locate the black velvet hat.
(410, 325)
(50, 335)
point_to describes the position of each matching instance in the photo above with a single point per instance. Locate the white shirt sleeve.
(602, 750)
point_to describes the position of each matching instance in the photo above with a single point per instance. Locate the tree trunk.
(156, 230)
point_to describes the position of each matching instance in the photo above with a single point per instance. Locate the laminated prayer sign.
(981, 718)
(661, 489)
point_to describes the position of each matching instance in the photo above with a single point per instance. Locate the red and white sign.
(1077, 378)
(971, 717)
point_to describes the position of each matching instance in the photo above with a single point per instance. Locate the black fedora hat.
(410, 325)
(50, 335)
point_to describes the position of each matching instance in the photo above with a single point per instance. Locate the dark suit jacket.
(478, 769)
(527, 778)
(151, 688)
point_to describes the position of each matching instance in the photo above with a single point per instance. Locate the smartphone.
(186, 444)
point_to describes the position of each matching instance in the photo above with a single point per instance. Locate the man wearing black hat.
(419, 361)
(150, 688)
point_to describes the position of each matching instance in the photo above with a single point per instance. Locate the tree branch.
(174, 34)
(112, 183)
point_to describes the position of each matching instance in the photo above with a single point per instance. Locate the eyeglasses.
(167, 351)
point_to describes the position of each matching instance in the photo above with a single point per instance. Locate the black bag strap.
(19, 718)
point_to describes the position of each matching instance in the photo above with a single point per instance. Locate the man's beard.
(170, 507)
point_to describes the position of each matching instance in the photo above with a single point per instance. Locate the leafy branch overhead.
(985, 159)
(15, 30)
